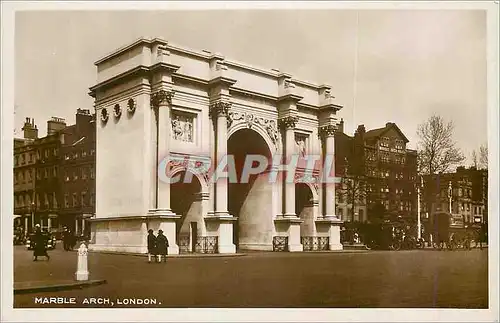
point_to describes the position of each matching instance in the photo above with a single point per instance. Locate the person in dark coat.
(67, 239)
(40, 244)
(161, 246)
(151, 245)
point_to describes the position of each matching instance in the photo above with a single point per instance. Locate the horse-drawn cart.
(450, 232)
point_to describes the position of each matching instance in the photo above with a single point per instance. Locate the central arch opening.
(250, 202)
(185, 201)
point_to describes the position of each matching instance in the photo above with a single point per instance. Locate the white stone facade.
(154, 99)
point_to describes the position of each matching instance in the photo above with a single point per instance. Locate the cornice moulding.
(134, 72)
(221, 79)
(290, 97)
(160, 66)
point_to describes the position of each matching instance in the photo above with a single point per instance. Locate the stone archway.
(250, 202)
(186, 201)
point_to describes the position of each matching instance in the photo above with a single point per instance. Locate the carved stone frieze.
(301, 142)
(182, 127)
(269, 125)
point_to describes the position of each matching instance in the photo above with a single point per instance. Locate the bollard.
(82, 272)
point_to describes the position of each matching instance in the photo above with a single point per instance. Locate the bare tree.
(437, 150)
(354, 182)
(475, 160)
(483, 157)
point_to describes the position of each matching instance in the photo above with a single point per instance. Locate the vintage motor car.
(50, 241)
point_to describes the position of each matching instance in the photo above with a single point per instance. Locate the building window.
(37, 199)
(84, 173)
(75, 175)
(54, 200)
(46, 173)
(21, 200)
(66, 200)
(84, 195)
(75, 201)
(92, 152)
(341, 213)
(56, 151)
(66, 176)
(46, 200)
(75, 155)
(66, 157)
(384, 142)
(341, 198)
(84, 153)
(55, 171)
(21, 177)
(92, 199)
(22, 159)
(46, 153)
(92, 172)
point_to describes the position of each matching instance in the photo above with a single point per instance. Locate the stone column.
(219, 112)
(328, 132)
(165, 219)
(288, 124)
(49, 223)
(290, 218)
(26, 224)
(76, 226)
(162, 100)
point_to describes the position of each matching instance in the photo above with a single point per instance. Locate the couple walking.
(157, 246)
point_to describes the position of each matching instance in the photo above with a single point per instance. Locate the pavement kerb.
(233, 255)
(50, 287)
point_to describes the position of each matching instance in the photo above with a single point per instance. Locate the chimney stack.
(340, 127)
(55, 124)
(30, 130)
(361, 129)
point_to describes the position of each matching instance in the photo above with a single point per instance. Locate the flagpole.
(419, 223)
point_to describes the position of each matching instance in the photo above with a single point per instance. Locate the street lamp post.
(419, 223)
(449, 195)
(32, 214)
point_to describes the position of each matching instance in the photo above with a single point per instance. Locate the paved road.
(368, 279)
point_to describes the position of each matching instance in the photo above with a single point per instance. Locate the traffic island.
(46, 286)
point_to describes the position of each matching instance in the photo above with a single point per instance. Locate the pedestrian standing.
(151, 246)
(40, 244)
(161, 246)
(66, 239)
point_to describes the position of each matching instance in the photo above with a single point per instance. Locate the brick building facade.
(39, 165)
(388, 171)
(463, 192)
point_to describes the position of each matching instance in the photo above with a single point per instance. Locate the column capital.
(220, 108)
(288, 122)
(161, 96)
(327, 130)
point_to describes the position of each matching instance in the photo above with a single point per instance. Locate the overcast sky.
(410, 64)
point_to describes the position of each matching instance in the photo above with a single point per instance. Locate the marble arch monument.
(155, 100)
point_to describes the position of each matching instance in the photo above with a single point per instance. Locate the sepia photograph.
(169, 157)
